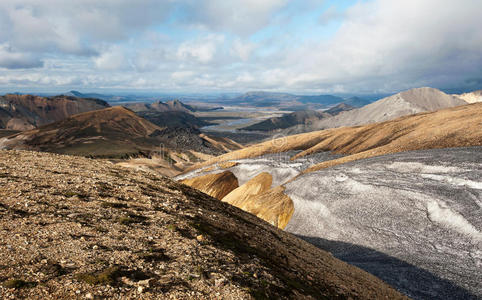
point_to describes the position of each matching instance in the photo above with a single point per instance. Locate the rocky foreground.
(78, 228)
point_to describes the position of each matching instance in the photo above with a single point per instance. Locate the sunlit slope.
(257, 197)
(459, 126)
(216, 185)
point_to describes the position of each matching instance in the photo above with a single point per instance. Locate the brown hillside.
(216, 185)
(453, 127)
(112, 132)
(83, 228)
(23, 112)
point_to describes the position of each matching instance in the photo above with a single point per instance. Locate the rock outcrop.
(217, 185)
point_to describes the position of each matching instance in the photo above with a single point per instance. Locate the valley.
(241, 150)
(398, 198)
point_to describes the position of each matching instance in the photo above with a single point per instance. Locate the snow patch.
(416, 167)
(454, 181)
(439, 212)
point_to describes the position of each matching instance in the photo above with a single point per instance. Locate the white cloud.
(243, 17)
(243, 49)
(112, 59)
(395, 45)
(202, 50)
(212, 44)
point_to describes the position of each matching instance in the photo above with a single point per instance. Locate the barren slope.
(453, 127)
(405, 103)
(23, 112)
(472, 97)
(112, 132)
(78, 228)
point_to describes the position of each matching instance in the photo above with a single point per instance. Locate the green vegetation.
(106, 277)
(18, 284)
(153, 255)
(113, 205)
(131, 219)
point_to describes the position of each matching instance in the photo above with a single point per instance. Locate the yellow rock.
(257, 197)
(216, 185)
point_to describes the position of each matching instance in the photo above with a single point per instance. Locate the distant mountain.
(263, 99)
(339, 108)
(85, 95)
(305, 117)
(172, 113)
(472, 97)
(320, 99)
(298, 117)
(173, 119)
(356, 101)
(405, 103)
(111, 132)
(23, 112)
(173, 105)
(105, 97)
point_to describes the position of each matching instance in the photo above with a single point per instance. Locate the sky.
(191, 46)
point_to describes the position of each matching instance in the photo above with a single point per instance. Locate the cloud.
(391, 45)
(113, 59)
(243, 49)
(17, 60)
(331, 14)
(190, 45)
(242, 17)
(201, 50)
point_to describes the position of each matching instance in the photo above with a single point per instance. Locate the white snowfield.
(413, 219)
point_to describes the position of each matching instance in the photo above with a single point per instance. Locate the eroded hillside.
(79, 228)
(460, 126)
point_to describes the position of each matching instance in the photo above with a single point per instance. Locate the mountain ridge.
(21, 112)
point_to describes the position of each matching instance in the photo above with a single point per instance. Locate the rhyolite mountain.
(23, 112)
(404, 103)
(305, 117)
(400, 198)
(172, 113)
(112, 132)
(472, 97)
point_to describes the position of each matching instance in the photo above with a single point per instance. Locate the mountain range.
(111, 132)
(401, 104)
(374, 195)
(305, 117)
(22, 112)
